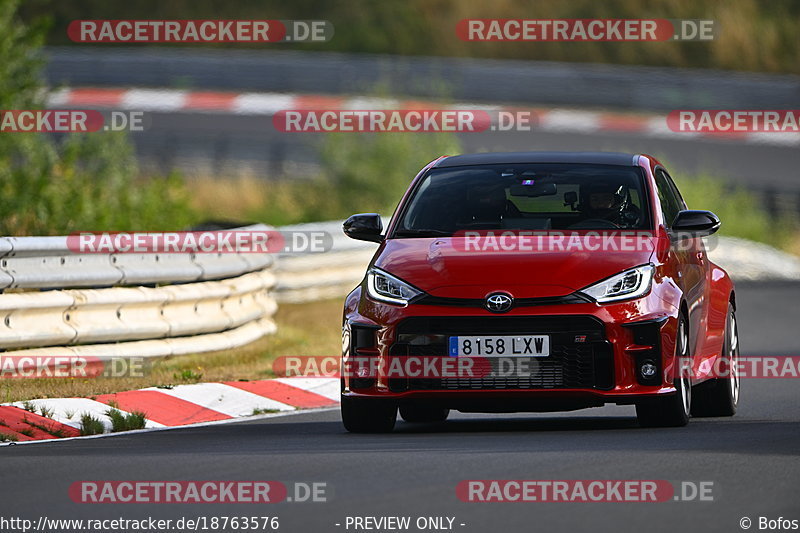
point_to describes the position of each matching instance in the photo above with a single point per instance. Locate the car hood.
(442, 267)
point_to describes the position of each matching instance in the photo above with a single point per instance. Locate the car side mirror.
(689, 224)
(364, 227)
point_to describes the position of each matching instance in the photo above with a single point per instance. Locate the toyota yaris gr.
(536, 282)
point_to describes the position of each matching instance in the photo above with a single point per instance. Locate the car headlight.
(384, 287)
(623, 286)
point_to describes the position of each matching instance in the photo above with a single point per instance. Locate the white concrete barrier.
(108, 305)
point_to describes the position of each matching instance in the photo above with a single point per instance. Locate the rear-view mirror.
(533, 190)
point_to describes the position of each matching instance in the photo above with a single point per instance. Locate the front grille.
(574, 298)
(571, 364)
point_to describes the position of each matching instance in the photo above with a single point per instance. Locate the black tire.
(365, 415)
(720, 396)
(672, 410)
(422, 414)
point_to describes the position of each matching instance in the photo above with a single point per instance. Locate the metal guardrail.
(311, 277)
(490, 80)
(109, 305)
(48, 262)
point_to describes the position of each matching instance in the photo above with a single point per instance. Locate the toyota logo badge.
(499, 302)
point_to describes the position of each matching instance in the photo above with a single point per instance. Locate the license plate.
(500, 346)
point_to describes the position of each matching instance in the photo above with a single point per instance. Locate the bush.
(91, 425)
(88, 182)
(126, 422)
(361, 172)
(371, 172)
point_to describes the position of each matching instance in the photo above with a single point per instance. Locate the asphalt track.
(752, 459)
(186, 138)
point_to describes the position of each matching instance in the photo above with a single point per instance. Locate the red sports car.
(539, 281)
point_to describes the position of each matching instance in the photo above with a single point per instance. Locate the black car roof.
(489, 158)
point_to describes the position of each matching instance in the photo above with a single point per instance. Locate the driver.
(611, 202)
(489, 204)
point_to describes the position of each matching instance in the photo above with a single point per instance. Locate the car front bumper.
(596, 353)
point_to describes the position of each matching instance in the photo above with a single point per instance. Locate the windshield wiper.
(422, 233)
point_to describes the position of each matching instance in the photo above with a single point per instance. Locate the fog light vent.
(648, 369)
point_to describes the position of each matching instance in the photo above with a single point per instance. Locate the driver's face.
(601, 200)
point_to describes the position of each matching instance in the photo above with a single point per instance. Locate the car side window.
(671, 202)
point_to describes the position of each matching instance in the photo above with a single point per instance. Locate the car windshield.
(525, 197)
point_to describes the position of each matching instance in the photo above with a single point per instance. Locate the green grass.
(7, 437)
(361, 172)
(50, 429)
(251, 362)
(260, 411)
(188, 375)
(126, 422)
(741, 212)
(91, 425)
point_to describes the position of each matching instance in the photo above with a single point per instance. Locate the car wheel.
(418, 413)
(365, 415)
(672, 410)
(720, 396)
